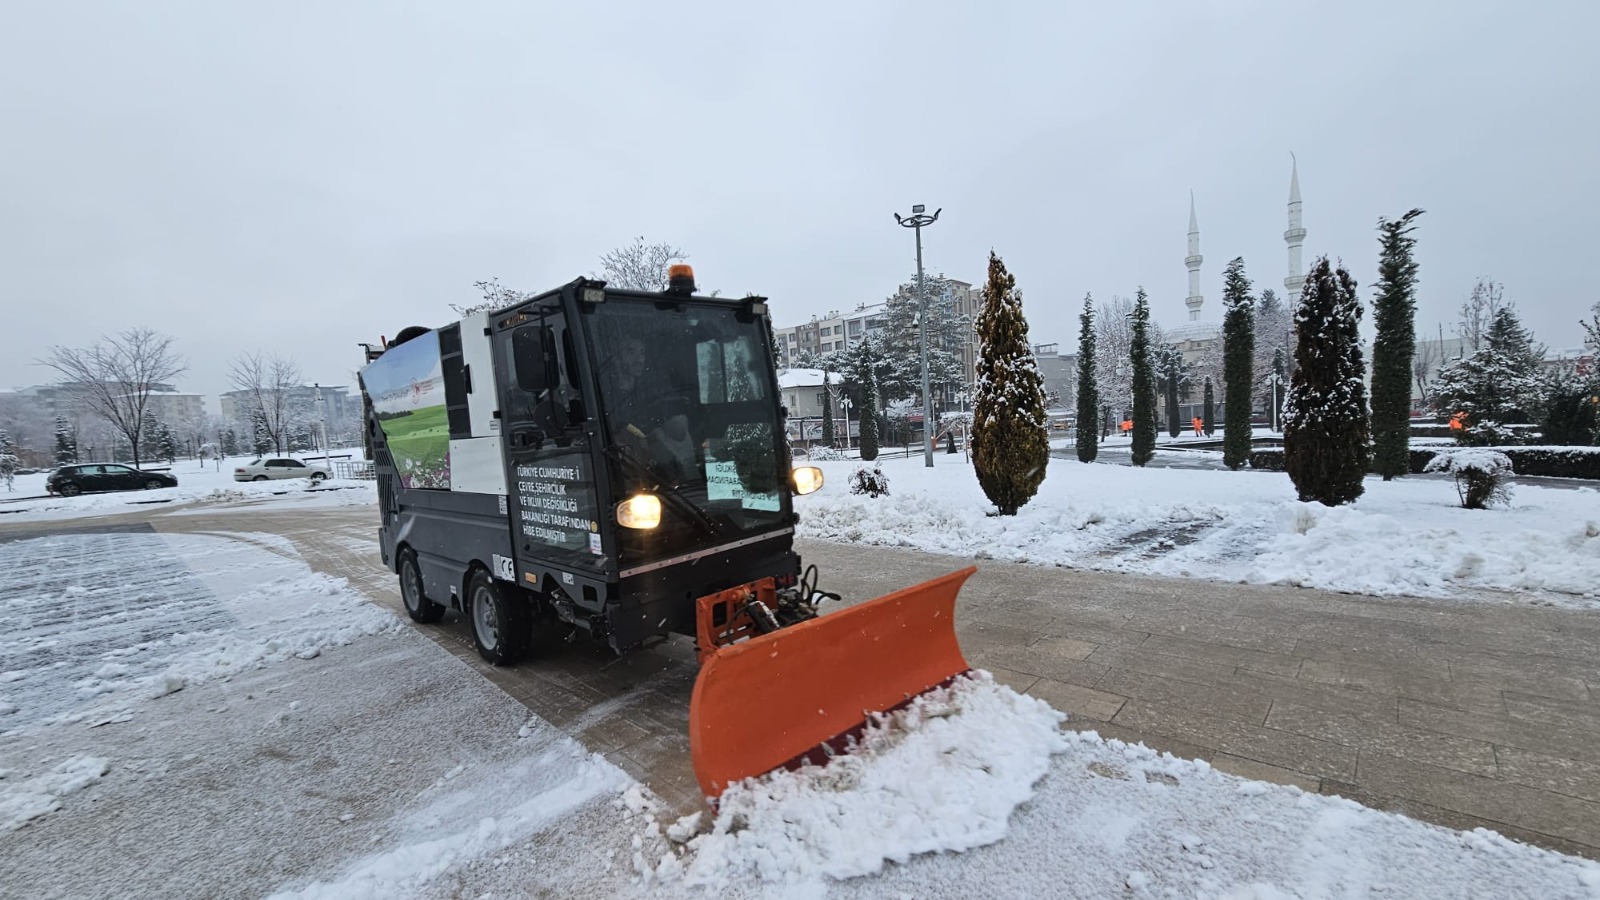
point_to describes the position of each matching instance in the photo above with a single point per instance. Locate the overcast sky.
(299, 177)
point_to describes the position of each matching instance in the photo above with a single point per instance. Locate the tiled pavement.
(1466, 714)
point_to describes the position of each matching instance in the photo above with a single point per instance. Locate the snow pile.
(944, 773)
(22, 802)
(1408, 537)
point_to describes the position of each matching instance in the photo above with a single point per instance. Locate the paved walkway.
(1463, 714)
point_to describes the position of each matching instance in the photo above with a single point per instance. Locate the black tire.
(317, 477)
(412, 593)
(152, 484)
(259, 478)
(499, 619)
(70, 490)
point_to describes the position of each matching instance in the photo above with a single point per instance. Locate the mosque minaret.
(1294, 237)
(1193, 260)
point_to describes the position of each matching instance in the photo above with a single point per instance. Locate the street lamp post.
(1272, 404)
(844, 405)
(916, 221)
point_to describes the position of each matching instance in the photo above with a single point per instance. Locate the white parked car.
(274, 469)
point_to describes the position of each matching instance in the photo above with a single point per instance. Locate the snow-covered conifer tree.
(1010, 446)
(1085, 429)
(1394, 312)
(1238, 363)
(1144, 382)
(8, 459)
(66, 442)
(1325, 433)
(869, 416)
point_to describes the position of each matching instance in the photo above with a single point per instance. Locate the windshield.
(690, 415)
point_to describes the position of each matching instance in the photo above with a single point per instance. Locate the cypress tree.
(1394, 311)
(1010, 446)
(1325, 437)
(1208, 417)
(1238, 363)
(1144, 382)
(827, 412)
(1088, 436)
(869, 417)
(1171, 363)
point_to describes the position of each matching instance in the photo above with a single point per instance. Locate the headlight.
(807, 480)
(642, 511)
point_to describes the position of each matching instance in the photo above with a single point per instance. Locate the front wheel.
(412, 593)
(317, 477)
(151, 484)
(500, 621)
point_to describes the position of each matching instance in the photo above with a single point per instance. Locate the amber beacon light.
(680, 279)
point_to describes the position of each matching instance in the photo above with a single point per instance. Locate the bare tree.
(495, 296)
(269, 385)
(1478, 310)
(639, 266)
(1113, 368)
(1425, 361)
(1592, 326)
(115, 377)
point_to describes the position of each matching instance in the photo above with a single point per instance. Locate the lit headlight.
(807, 480)
(642, 511)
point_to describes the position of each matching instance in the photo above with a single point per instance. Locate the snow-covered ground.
(1405, 537)
(203, 715)
(198, 482)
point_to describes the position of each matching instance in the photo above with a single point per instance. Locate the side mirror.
(533, 354)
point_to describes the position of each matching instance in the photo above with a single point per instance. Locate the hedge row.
(1577, 462)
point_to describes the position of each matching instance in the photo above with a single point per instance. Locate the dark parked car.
(69, 481)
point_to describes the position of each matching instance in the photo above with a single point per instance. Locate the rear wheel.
(259, 478)
(500, 620)
(70, 490)
(418, 606)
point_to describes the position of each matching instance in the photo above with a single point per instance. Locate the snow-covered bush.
(1483, 477)
(871, 482)
(824, 454)
(1492, 434)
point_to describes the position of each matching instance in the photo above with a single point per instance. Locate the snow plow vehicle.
(612, 464)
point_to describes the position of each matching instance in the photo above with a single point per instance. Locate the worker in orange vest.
(1197, 427)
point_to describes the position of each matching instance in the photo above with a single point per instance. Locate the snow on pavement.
(99, 621)
(385, 767)
(1406, 537)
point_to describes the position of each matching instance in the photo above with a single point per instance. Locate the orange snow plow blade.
(774, 699)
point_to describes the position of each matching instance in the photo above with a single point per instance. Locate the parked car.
(70, 481)
(274, 469)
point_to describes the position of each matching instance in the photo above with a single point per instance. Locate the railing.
(354, 469)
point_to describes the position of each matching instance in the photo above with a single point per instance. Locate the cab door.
(552, 496)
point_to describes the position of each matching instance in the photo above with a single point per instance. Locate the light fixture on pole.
(916, 221)
(844, 405)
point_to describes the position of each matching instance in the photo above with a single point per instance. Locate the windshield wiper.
(675, 498)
